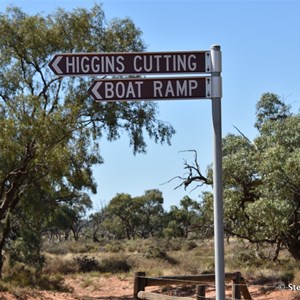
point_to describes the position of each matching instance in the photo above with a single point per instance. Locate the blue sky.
(260, 45)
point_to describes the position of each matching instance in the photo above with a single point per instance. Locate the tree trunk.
(95, 239)
(5, 234)
(278, 248)
(294, 248)
(75, 234)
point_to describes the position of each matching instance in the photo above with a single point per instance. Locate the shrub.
(22, 275)
(106, 265)
(87, 264)
(114, 247)
(56, 248)
(155, 252)
(173, 244)
(133, 245)
(189, 245)
(287, 277)
(3, 287)
(65, 247)
(52, 283)
(60, 265)
(114, 265)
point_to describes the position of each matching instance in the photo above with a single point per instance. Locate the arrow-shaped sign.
(54, 65)
(94, 90)
(151, 89)
(70, 64)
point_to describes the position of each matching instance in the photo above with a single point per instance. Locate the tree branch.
(194, 174)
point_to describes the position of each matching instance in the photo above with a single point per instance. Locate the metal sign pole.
(217, 173)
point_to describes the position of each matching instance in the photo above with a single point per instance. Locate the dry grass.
(157, 258)
(165, 257)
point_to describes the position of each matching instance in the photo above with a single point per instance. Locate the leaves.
(140, 216)
(270, 107)
(50, 128)
(261, 179)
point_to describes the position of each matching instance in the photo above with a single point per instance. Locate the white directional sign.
(151, 89)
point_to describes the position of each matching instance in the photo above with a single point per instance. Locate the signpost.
(151, 89)
(217, 177)
(137, 89)
(77, 64)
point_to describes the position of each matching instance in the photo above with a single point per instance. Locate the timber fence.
(141, 281)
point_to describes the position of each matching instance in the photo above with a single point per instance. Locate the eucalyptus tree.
(50, 129)
(262, 179)
(181, 220)
(136, 217)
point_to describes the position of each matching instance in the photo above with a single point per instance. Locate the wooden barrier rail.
(239, 287)
(152, 296)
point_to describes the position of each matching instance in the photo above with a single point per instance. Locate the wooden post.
(236, 287)
(200, 292)
(244, 290)
(139, 283)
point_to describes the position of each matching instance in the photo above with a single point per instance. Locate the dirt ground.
(122, 289)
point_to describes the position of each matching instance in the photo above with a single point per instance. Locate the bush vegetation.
(157, 257)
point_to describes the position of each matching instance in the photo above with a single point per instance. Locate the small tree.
(150, 214)
(69, 217)
(189, 218)
(139, 216)
(97, 220)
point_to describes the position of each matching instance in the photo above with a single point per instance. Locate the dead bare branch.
(248, 141)
(193, 175)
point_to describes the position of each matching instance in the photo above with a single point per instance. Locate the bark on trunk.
(294, 248)
(5, 234)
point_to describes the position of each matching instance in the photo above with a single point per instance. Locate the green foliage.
(57, 264)
(56, 248)
(23, 277)
(189, 245)
(50, 128)
(183, 219)
(114, 265)
(269, 108)
(136, 217)
(143, 217)
(114, 247)
(52, 283)
(27, 249)
(159, 252)
(192, 219)
(155, 252)
(74, 247)
(261, 178)
(87, 264)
